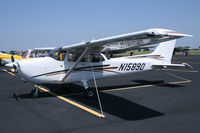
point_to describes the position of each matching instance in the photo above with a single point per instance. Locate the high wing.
(142, 38)
(127, 41)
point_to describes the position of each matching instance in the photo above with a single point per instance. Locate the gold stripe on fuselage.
(107, 69)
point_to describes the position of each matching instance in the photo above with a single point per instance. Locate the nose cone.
(26, 68)
(29, 69)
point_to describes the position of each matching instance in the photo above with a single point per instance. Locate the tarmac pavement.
(154, 101)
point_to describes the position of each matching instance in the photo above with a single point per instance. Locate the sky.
(51, 23)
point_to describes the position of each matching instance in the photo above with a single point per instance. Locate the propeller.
(12, 58)
(13, 64)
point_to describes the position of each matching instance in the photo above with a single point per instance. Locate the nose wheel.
(35, 93)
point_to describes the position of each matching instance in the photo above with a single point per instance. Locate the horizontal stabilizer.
(172, 66)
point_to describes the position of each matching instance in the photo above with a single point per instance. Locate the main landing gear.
(35, 92)
(89, 93)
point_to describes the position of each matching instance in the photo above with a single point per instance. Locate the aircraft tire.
(89, 93)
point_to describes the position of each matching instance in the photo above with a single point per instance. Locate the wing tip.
(178, 34)
(162, 31)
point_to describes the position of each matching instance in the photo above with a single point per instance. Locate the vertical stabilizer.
(165, 49)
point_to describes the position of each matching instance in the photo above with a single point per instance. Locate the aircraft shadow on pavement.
(112, 104)
(119, 107)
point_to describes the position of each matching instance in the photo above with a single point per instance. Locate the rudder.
(165, 49)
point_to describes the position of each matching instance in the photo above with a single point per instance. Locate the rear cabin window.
(96, 58)
(73, 57)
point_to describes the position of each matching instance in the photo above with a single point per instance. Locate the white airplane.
(84, 61)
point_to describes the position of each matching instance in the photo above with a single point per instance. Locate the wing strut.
(75, 64)
(95, 83)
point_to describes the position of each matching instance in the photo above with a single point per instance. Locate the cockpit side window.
(73, 57)
(57, 54)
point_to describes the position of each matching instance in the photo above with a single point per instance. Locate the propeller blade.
(12, 58)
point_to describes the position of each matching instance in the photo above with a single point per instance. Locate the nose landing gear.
(35, 92)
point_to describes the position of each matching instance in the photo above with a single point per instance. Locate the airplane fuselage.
(51, 71)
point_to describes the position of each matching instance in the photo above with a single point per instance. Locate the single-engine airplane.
(84, 61)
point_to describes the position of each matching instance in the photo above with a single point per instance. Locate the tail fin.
(165, 49)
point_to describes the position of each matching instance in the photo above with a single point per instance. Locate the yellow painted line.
(143, 86)
(133, 87)
(72, 102)
(9, 72)
(180, 82)
(127, 88)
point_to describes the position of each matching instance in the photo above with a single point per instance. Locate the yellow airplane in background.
(7, 58)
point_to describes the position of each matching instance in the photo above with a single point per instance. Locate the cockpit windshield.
(57, 54)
